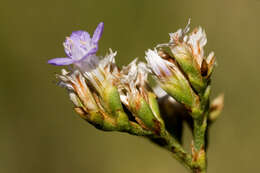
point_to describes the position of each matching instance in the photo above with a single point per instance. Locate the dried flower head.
(193, 42)
(137, 96)
(171, 78)
(105, 73)
(162, 68)
(79, 91)
(91, 102)
(188, 51)
(133, 82)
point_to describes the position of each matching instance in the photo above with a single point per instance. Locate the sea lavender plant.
(114, 99)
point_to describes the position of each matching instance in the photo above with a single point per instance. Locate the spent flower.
(171, 78)
(79, 92)
(188, 50)
(104, 74)
(89, 103)
(137, 96)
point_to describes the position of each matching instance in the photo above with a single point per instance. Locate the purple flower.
(79, 46)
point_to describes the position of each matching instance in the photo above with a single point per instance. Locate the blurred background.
(39, 131)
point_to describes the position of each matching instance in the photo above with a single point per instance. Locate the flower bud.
(216, 107)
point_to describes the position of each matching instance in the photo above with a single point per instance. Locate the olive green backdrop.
(40, 133)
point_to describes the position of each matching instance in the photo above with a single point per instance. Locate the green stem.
(200, 126)
(177, 150)
(199, 158)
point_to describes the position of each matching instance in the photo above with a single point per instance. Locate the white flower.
(182, 43)
(162, 68)
(133, 82)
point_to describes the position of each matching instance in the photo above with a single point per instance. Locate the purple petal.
(98, 33)
(80, 35)
(67, 46)
(77, 52)
(61, 61)
(91, 52)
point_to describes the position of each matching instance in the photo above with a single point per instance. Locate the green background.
(40, 133)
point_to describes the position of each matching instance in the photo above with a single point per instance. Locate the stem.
(200, 126)
(199, 158)
(177, 150)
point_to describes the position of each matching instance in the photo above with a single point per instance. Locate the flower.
(79, 46)
(96, 97)
(171, 78)
(138, 97)
(192, 44)
(162, 68)
(133, 82)
(188, 51)
(104, 73)
(79, 91)
(87, 103)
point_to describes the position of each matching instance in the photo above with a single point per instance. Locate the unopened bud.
(216, 107)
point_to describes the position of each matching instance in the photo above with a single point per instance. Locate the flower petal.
(98, 33)
(91, 52)
(80, 35)
(61, 61)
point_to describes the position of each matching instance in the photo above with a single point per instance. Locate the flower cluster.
(188, 51)
(115, 99)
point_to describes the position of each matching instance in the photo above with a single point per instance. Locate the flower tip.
(101, 24)
(100, 27)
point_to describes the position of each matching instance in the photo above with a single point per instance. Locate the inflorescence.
(121, 99)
